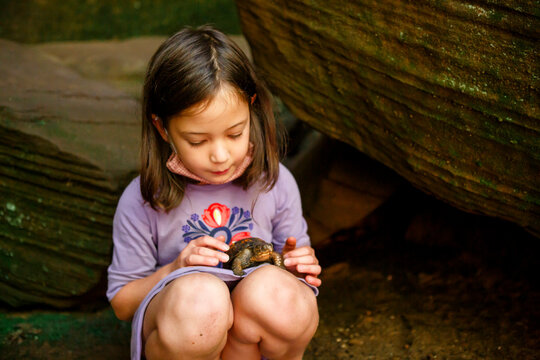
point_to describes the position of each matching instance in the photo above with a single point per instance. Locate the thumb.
(290, 244)
(221, 238)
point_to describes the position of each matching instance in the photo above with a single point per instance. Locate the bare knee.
(284, 306)
(193, 314)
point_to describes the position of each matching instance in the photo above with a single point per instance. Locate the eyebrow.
(201, 133)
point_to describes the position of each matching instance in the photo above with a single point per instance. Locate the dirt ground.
(410, 282)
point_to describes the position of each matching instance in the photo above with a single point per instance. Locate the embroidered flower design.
(217, 220)
(216, 215)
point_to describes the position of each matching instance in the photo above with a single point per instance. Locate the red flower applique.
(216, 215)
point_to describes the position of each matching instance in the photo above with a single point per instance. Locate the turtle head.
(262, 251)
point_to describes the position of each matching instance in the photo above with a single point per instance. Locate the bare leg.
(274, 315)
(188, 319)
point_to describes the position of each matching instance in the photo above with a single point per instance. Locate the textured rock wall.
(443, 92)
(68, 147)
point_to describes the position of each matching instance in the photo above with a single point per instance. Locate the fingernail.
(287, 262)
(225, 258)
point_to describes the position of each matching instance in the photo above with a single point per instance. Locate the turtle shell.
(242, 244)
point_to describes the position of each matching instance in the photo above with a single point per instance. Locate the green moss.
(453, 153)
(82, 329)
(531, 199)
(496, 16)
(40, 21)
(487, 183)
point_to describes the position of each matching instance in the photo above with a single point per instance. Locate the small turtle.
(250, 252)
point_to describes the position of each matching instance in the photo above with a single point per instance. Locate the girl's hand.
(302, 261)
(205, 250)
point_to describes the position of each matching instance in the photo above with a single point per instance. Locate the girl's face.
(212, 139)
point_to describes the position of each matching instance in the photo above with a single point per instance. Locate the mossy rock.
(69, 146)
(443, 92)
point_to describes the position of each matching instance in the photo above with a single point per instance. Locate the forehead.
(225, 109)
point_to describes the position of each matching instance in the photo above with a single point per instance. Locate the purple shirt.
(145, 239)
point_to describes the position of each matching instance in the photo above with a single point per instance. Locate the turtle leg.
(241, 261)
(277, 259)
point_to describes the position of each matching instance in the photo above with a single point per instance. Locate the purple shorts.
(224, 274)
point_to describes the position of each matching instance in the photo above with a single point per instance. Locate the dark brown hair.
(188, 69)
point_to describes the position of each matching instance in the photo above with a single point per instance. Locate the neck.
(175, 165)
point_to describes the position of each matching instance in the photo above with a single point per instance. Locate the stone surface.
(350, 186)
(68, 147)
(444, 93)
(120, 63)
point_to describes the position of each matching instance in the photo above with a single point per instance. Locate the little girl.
(210, 175)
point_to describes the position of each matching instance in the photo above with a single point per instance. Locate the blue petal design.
(193, 225)
(240, 228)
(203, 226)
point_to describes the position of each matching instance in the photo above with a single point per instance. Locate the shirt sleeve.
(288, 220)
(134, 251)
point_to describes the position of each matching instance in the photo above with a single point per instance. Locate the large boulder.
(443, 92)
(120, 63)
(69, 145)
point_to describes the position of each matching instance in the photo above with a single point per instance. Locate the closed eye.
(235, 136)
(195, 144)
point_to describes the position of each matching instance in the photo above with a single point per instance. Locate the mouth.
(263, 256)
(218, 173)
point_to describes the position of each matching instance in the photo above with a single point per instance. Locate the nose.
(219, 153)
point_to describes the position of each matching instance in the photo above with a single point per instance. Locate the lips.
(217, 173)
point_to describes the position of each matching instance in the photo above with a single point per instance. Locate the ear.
(158, 123)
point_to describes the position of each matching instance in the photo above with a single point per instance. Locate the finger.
(297, 260)
(309, 269)
(312, 280)
(204, 251)
(290, 244)
(195, 259)
(299, 252)
(208, 241)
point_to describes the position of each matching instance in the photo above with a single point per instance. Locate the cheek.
(244, 147)
(188, 156)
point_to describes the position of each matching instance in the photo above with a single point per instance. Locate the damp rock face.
(68, 147)
(444, 92)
